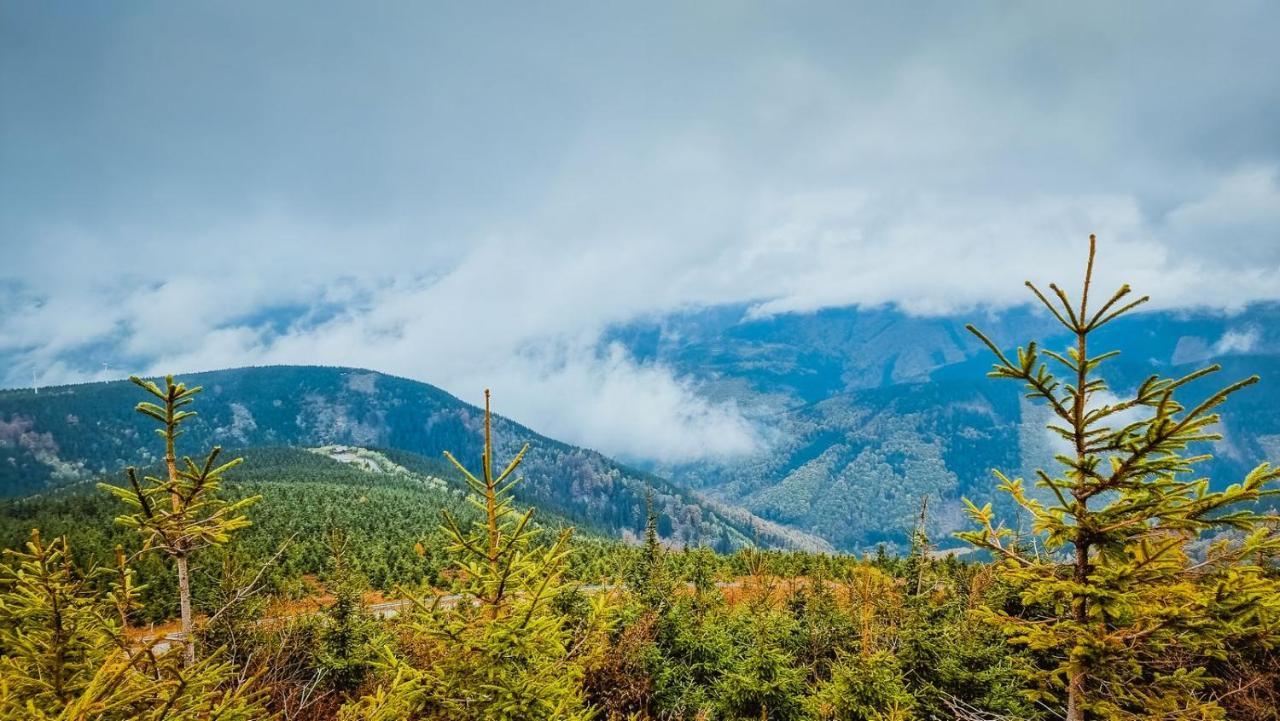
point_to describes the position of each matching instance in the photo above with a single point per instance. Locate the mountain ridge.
(75, 432)
(856, 434)
(860, 437)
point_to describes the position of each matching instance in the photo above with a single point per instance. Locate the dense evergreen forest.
(351, 584)
(390, 516)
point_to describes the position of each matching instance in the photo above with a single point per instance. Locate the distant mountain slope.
(69, 433)
(807, 357)
(866, 411)
(870, 409)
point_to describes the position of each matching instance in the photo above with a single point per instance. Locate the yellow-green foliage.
(1125, 615)
(64, 656)
(497, 650)
(180, 513)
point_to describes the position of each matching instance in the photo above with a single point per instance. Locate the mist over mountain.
(66, 434)
(859, 412)
(868, 410)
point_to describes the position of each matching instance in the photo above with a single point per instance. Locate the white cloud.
(1236, 341)
(1236, 224)
(470, 201)
(636, 411)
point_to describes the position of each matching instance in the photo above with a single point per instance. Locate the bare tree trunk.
(920, 539)
(1080, 610)
(184, 603)
(1080, 603)
(1074, 692)
(180, 558)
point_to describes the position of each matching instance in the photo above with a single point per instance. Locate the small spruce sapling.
(64, 654)
(501, 652)
(345, 650)
(649, 578)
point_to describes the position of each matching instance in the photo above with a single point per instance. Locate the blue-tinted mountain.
(868, 410)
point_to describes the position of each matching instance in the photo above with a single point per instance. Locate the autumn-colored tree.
(1119, 602)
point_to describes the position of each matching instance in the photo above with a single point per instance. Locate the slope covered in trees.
(883, 434)
(886, 407)
(390, 521)
(70, 433)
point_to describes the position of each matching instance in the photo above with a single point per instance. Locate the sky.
(469, 194)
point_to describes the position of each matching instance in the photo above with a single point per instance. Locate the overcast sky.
(467, 194)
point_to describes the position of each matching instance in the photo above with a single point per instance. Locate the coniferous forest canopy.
(467, 568)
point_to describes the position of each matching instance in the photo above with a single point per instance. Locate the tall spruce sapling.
(497, 556)
(1126, 610)
(501, 652)
(180, 513)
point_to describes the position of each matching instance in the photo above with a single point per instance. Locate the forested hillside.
(70, 433)
(882, 406)
(390, 517)
(887, 407)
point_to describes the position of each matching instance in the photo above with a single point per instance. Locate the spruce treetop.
(1116, 518)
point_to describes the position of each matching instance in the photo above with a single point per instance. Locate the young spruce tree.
(64, 655)
(345, 650)
(1126, 613)
(648, 576)
(499, 652)
(180, 513)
